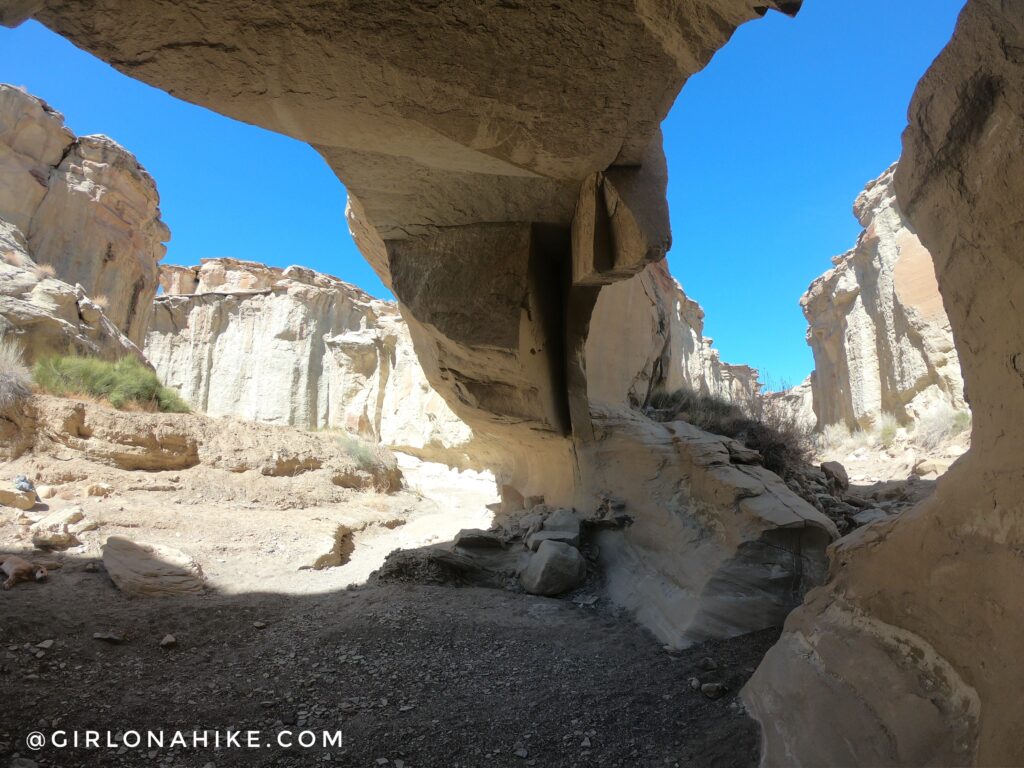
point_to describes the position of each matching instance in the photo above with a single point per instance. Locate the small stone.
(694, 683)
(521, 753)
(382, 761)
(169, 641)
(260, 624)
(99, 489)
(713, 690)
(45, 645)
(585, 743)
(709, 664)
(108, 637)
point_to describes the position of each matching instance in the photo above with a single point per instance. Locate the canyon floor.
(411, 674)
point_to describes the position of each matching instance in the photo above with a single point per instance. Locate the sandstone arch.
(470, 180)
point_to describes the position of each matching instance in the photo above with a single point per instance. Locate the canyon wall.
(910, 654)
(85, 207)
(300, 348)
(881, 339)
(44, 315)
(646, 336)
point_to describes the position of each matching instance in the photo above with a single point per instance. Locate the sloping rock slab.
(151, 570)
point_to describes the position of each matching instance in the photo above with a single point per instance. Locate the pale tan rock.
(10, 497)
(647, 336)
(47, 315)
(753, 547)
(58, 530)
(151, 570)
(882, 342)
(300, 348)
(86, 207)
(910, 655)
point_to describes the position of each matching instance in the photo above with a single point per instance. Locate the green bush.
(122, 383)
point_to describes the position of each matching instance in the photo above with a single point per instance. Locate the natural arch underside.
(504, 164)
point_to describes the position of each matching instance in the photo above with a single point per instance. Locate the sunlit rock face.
(505, 168)
(44, 315)
(881, 339)
(911, 653)
(85, 206)
(647, 336)
(300, 348)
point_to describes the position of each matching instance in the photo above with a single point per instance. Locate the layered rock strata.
(881, 339)
(46, 316)
(647, 336)
(910, 655)
(296, 347)
(85, 206)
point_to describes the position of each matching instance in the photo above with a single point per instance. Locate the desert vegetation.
(126, 383)
(756, 422)
(15, 378)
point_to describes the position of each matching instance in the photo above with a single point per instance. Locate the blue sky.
(767, 148)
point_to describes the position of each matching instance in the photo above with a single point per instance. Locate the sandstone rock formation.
(300, 348)
(882, 342)
(46, 315)
(646, 336)
(497, 210)
(911, 653)
(85, 207)
(151, 570)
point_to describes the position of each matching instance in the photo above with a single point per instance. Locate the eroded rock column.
(911, 654)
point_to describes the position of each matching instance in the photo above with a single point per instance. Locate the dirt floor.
(410, 675)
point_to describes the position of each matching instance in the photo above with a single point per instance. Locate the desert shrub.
(758, 423)
(887, 429)
(939, 424)
(15, 379)
(123, 383)
(366, 454)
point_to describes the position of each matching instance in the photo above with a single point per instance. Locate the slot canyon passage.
(507, 181)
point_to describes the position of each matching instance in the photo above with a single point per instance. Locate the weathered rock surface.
(69, 430)
(910, 655)
(151, 570)
(296, 347)
(881, 339)
(752, 546)
(555, 567)
(47, 315)
(647, 336)
(85, 206)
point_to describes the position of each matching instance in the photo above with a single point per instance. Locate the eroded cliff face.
(911, 653)
(85, 206)
(881, 339)
(647, 336)
(45, 315)
(300, 348)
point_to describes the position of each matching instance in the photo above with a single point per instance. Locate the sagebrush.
(15, 378)
(126, 382)
(367, 455)
(758, 423)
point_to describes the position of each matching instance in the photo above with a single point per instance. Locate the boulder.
(151, 570)
(554, 568)
(564, 520)
(58, 529)
(534, 540)
(10, 497)
(836, 473)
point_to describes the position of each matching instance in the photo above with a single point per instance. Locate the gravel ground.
(411, 675)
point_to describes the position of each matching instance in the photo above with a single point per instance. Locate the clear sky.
(767, 149)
